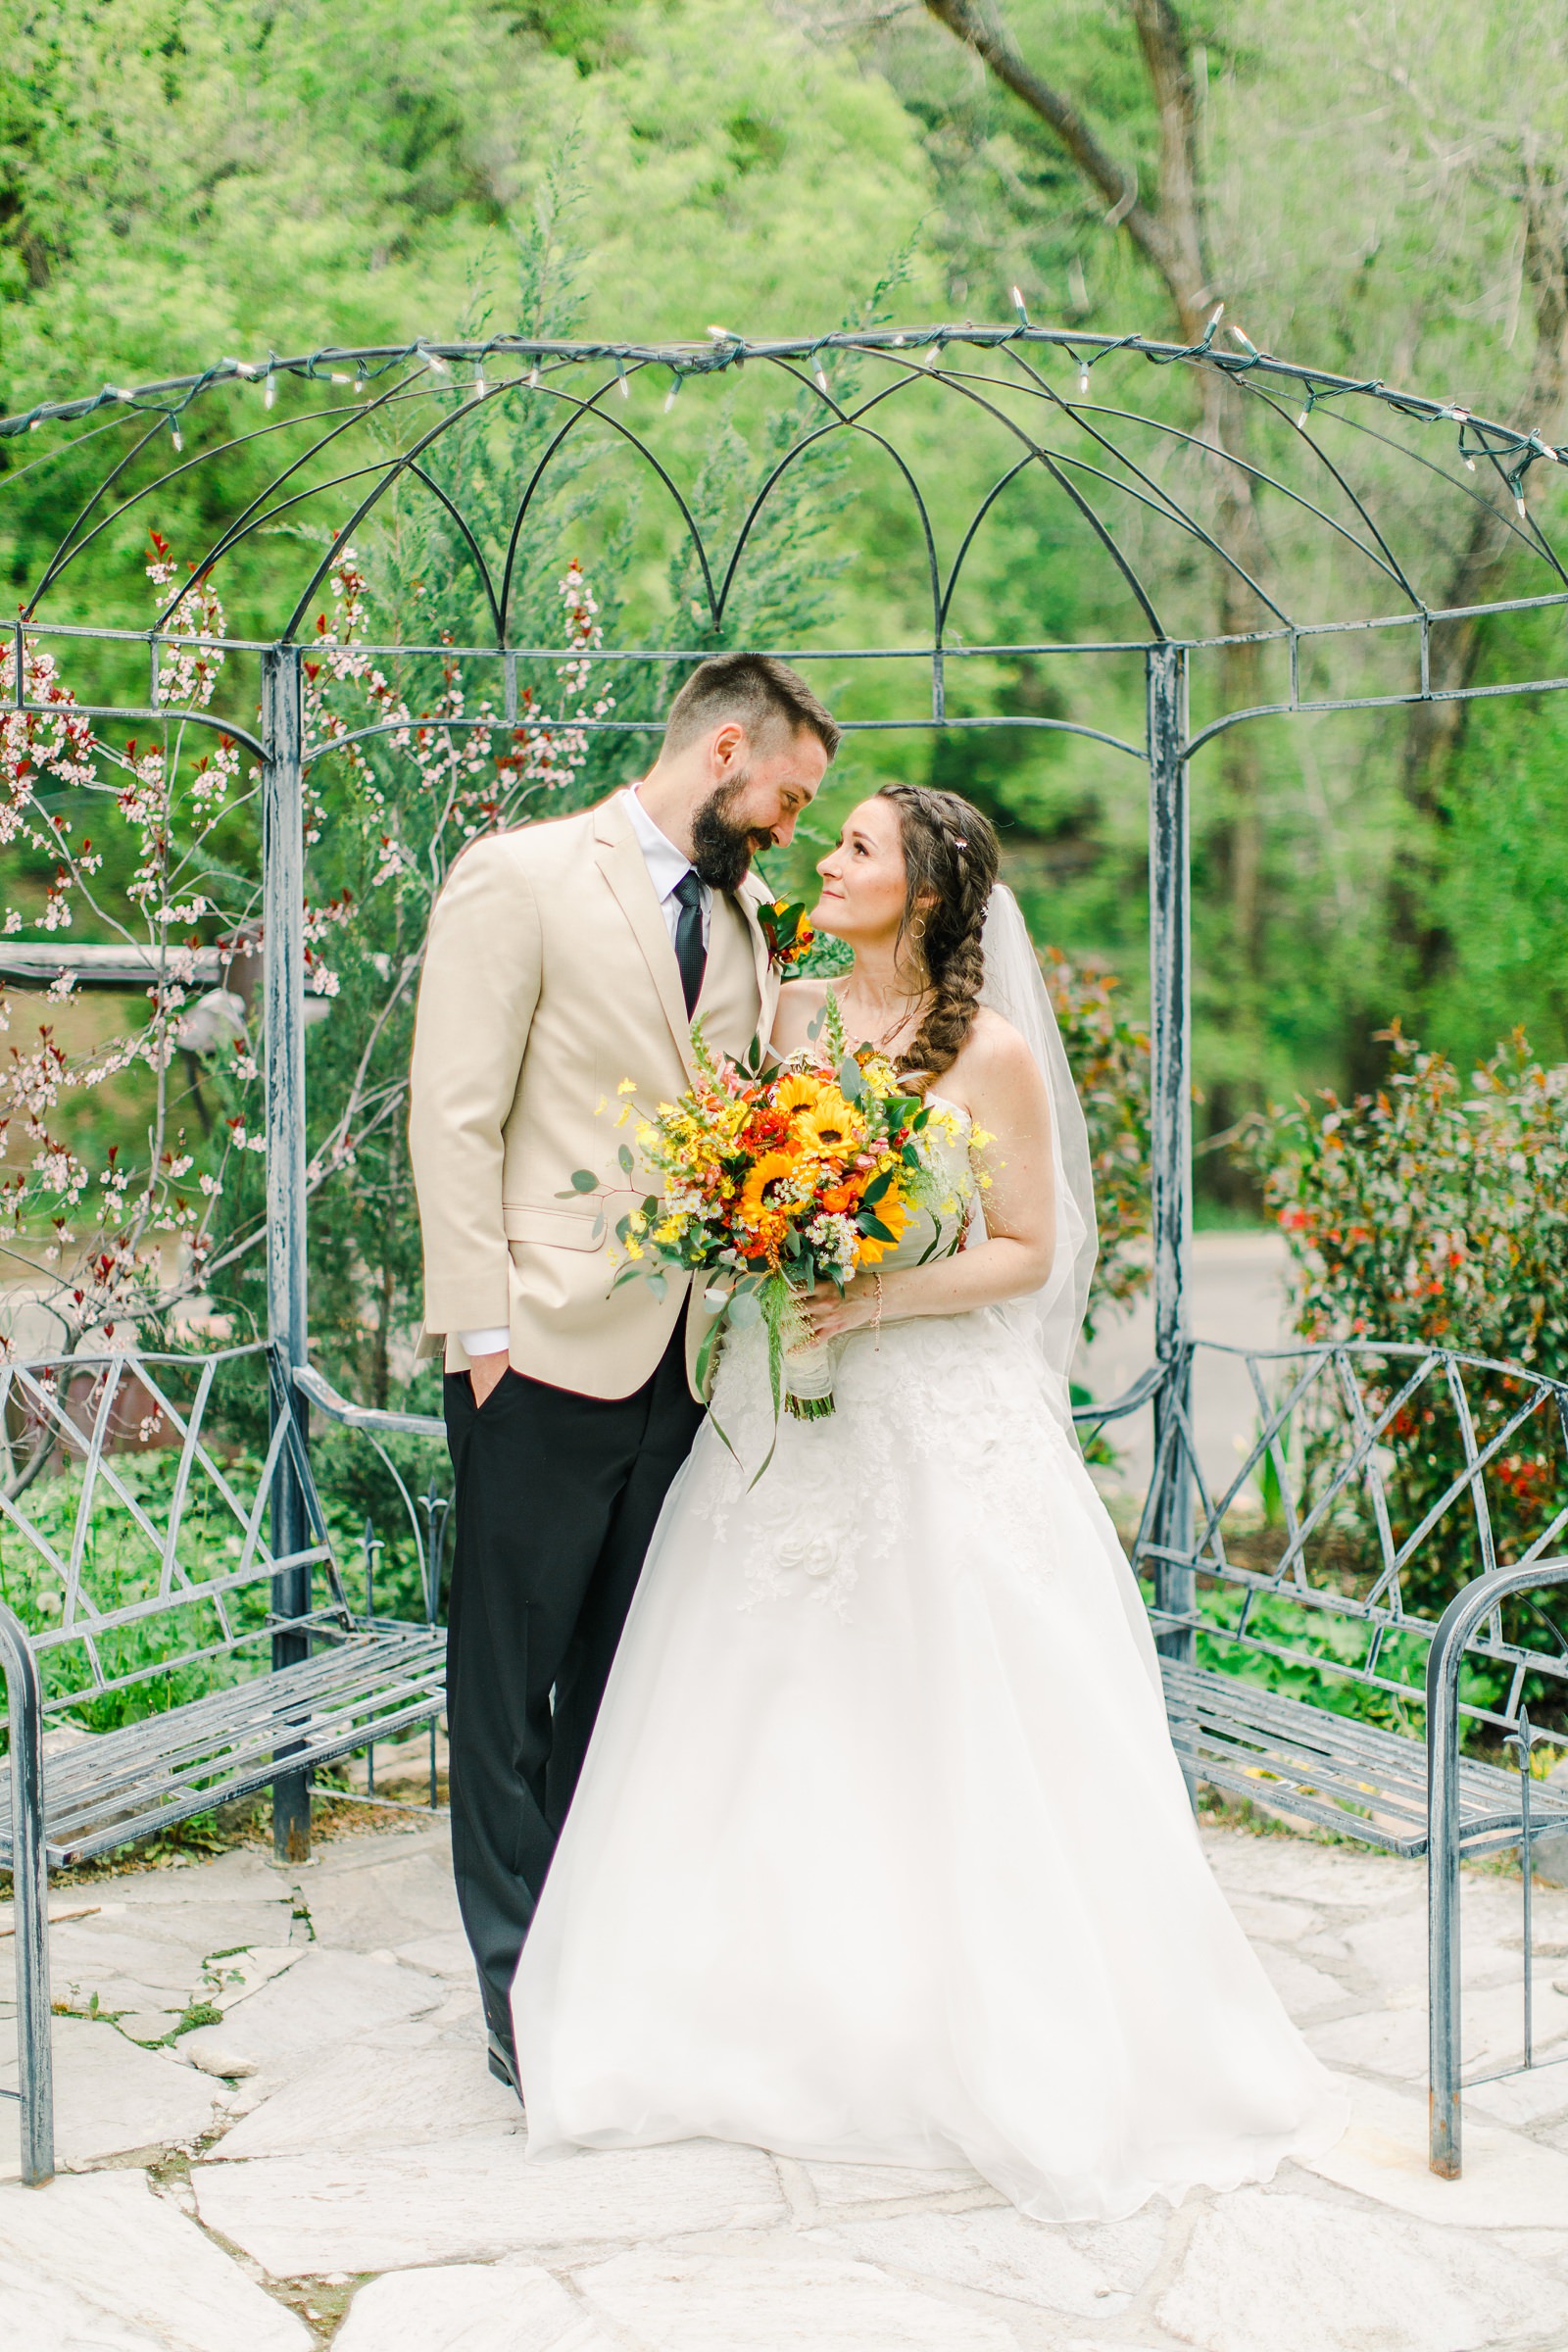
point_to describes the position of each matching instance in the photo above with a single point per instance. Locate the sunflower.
(893, 1211)
(831, 1127)
(756, 1208)
(799, 1092)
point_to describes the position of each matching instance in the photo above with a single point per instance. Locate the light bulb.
(339, 379)
(669, 396)
(270, 394)
(179, 439)
(1083, 383)
(1470, 462)
(533, 377)
(437, 363)
(623, 386)
(1300, 422)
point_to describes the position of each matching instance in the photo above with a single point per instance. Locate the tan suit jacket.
(549, 977)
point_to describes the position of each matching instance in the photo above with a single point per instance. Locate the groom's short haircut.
(761, 693)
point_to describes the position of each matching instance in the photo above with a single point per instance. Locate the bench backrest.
(1376, 1482)
(133, 1542)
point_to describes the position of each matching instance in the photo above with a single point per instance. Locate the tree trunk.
(1478, 573)
(1171, 236)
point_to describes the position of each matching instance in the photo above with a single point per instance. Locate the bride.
(881, 1851)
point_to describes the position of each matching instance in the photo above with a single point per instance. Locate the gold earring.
(918, 929)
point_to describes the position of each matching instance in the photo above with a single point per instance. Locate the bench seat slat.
(1292, 1758)
(122, 1785)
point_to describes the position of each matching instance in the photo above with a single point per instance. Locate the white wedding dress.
(881, 1851)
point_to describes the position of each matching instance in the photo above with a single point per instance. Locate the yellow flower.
(627, 1086)
(831, 1126)
(799, 1092)
(893, 1211)
(754, 1206)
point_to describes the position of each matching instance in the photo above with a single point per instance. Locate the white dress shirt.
(667, 867)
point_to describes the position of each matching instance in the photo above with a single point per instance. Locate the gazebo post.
(287, 1311)
(1171, 1122)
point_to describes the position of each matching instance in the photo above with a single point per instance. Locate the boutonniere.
(789, 934)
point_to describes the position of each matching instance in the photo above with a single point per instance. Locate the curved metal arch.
(66, 555)
(1372, 702)
(584, 409)
(1414, 457)
(844, 420)
(63, 554)
(1101, 529)
(1156, 496)
(251, 520)
(155, 717)
(497, 724)
(474, 549)
(1157, 425)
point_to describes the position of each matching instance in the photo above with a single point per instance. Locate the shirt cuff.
(492, 1342)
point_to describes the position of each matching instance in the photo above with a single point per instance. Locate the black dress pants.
(556, 1500)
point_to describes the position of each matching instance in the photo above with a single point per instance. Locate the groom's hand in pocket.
(484, 1373)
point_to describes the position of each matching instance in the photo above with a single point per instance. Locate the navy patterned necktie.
(690, 953)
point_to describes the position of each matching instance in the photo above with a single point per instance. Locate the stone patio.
(325, 2159)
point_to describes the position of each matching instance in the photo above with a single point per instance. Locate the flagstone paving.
(277, 2131)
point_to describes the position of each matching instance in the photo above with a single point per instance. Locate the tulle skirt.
(881, 1851)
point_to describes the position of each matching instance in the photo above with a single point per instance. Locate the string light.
(435, 361)
(1246, 341)
(671, 395)
(1083, 380)
(1017, 303)
(721, 334)
(533, 377)
(622, 385)
(339, 379)
(178, 438)
(271, 393)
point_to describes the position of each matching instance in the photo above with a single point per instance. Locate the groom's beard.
(721, 851)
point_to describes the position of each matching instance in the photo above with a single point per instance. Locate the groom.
(565, 958)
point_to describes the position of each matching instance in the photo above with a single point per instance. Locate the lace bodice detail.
(963, 1389)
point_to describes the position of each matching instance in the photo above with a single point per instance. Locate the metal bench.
(1325, 1582)
(134, 1595)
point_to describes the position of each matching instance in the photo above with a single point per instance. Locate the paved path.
(1237, 1296)
(331, 2162)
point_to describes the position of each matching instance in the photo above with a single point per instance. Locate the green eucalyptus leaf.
(583, 1179)
(745, 1310)
(657, 1285)
(624, 1157)
(852, 1086)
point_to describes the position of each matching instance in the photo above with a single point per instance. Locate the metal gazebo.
(938, 429)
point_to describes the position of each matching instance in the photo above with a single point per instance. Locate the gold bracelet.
(876, 1317)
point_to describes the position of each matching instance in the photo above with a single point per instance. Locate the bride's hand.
(830, 1316)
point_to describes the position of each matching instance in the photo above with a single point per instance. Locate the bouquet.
(776, 1182)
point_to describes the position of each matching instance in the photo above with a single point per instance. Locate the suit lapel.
(620, 861)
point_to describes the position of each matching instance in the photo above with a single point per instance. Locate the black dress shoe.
(503, 2060)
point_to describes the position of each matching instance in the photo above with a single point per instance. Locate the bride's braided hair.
(950, 856)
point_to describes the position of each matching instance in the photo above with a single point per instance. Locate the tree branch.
(989, 40)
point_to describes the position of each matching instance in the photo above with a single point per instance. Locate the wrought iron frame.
(389, 383)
